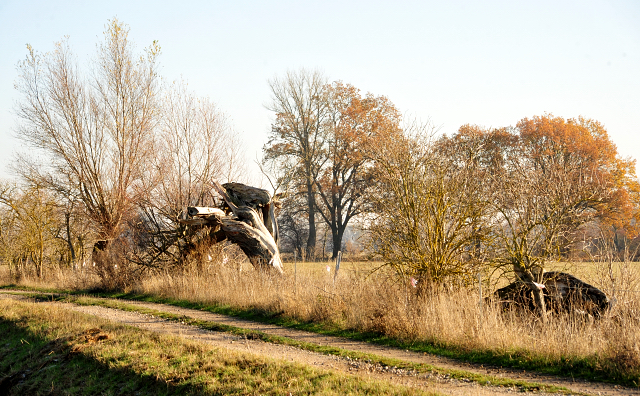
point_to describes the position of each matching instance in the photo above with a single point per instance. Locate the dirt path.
(434, 382)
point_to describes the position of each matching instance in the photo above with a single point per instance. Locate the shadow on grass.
(30, 364)
(593, 368)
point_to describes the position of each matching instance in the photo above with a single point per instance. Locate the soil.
(426, 381)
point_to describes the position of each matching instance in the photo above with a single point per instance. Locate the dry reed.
(450, 318)
(362, 301)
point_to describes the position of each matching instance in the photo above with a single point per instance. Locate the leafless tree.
(428, 218)
(29, 225)
(194, 147)
(292, 225)
(297, 133)
(95, 129)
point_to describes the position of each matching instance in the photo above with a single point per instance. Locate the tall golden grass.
(365, 301)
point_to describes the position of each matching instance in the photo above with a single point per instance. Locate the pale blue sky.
(489, 63)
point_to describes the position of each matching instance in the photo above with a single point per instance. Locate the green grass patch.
(593, 368)
(368, 358)
(48, 350)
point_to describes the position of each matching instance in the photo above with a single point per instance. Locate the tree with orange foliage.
(584, 143)
(555, 177)
(317, 140)
(345, 178)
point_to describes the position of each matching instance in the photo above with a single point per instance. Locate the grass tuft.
(449, 323)
(49, 350)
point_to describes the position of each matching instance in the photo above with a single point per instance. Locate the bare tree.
(29, 225)
(195, 146)
(95, 129)
(429, 211)
(297, 133)
(292, 224)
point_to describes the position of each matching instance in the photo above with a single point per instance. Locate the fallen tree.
(246, 218)
(562, 293)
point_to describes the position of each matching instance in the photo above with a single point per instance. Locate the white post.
(338, 260)
(480, 288)
(481, 301)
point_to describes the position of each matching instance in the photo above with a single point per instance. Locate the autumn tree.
(429, 216)
(536, 213)
(346, 174)
(585, 143)
(551, 177)
(297, 136)
(95, 129)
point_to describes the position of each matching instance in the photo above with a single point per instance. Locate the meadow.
(48, 350)
(367, 304)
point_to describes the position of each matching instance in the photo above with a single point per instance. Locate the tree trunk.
(72, 250)
(253, 226)
(99, 251)
(336, 237)
(538, 297)
(534, 283)
(311, 240)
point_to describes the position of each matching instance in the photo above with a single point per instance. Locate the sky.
(488, 63)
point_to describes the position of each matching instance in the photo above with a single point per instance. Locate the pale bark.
(251, 223)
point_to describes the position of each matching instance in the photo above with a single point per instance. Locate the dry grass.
(61, 352)
(454, 319)
(58, 278)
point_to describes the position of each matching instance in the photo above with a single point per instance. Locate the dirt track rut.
(435, 382)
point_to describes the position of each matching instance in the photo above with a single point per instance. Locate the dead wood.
(198, 211)
(247, 219)
(562, 293)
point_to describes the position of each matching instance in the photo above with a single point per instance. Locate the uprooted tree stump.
(562, 293)
(247, 218)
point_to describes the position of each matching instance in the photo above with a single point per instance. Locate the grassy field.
(450, 322)
(52, 351)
